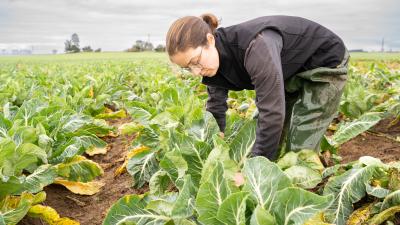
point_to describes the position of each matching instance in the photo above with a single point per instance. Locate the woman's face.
(203, 60)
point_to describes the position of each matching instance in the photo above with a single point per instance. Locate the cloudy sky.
(114, 25)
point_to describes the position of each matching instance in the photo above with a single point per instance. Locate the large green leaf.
(159, 183)
(5, 125)
(7, 152)
(220, 153)
(28, 154)
(23, 134)
(173, 204)
(180, 222)
(42, 176)
(15, 158)
(347, 188)
(159, 210)
(243, 142)
(205, 128)
(78, 123)
(378, 192)
(29, 109)
(162, 204)
(130, 210)
(234, 123)
(357, 97)
(79, 168)
(232, 209)
(148, 136)
(303, 177)
(171, 96)
(194, 152)
(76, 146)
(351, 129)
(211, 194)
(141, 166)
(263, 180)
(174, 164)
(184, 204)
(130, 128)
(307, 158)
(392, 199)
(294, 206)
(139, 114)
(165, 120)
(261, 216)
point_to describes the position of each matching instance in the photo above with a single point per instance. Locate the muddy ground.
(92, 209)
(378, 142)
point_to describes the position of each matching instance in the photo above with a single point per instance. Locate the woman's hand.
(221, 134)
(239, 179)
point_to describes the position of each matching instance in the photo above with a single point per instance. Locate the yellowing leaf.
(110, 134)
(39, 198)
(89, 188)
(50, 215)
(318, 219)
(108, 114)
(108, 110)
(332, 127)
(91, 92)
(136, 151)
(14, 201)
(97, 151)
(361, 215)
(79, 168)
(120, 170)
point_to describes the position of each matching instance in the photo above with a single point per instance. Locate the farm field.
(124, 138)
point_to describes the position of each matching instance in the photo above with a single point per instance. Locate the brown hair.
(190, 31)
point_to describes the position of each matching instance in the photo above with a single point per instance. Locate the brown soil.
(378, 142)
(91, 210)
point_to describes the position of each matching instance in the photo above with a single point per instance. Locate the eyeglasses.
(196, 65)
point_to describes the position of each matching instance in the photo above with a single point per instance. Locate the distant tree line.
(141, 46)
(72, 46)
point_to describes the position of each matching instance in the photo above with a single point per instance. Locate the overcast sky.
(114, 25)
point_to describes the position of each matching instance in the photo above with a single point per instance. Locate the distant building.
(356, 50)
(25, 52)
(20, 52)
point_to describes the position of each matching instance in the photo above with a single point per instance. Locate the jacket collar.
(225, 63)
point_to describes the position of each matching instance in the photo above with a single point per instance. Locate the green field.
(132, 56)
(125, 56)
(62, 116)
(375, 56)
(83, 57)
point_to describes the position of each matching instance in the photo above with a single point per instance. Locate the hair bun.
(211, 20)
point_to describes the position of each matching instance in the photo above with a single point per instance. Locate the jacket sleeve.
(263, 63)
(216, 104)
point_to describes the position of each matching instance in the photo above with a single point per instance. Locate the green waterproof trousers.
(312, 100)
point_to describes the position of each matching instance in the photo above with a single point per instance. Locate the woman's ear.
(210, 39)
